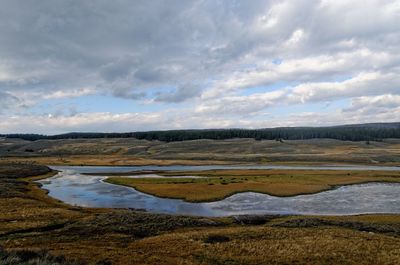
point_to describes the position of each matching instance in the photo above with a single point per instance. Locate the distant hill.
(353, 132)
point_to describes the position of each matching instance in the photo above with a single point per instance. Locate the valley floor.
(29, 219)
(219, 184)
(131, 151)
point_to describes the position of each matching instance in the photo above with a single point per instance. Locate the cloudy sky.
(122, 65)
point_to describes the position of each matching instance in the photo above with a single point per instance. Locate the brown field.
(34, 221)
(106, 160)
(266, 245)
(139, 152)
(219, 184)
(30, 220)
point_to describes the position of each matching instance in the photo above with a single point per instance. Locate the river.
(70, 186)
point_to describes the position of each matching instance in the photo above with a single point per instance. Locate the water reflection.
(90, 191)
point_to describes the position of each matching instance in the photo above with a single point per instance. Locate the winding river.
(70, 186)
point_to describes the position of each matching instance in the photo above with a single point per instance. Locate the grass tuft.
(32, 257)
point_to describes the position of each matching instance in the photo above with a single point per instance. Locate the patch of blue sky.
(153, 93)
(337, 104)
(277, 61)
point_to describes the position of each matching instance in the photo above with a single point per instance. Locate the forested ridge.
(356, 132)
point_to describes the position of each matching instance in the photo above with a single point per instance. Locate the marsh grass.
(30, 220)
(219, 184)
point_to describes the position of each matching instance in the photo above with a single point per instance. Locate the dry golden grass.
(390, 219)
(92, 235)
(36, 209)
(265, 245)
(138, 152)
(245, 245)
(106, 160)
(19, 214)
(223, 183)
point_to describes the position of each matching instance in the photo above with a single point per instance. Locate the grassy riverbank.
(219, 184)
(31, 222)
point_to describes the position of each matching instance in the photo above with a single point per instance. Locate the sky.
(123, 65)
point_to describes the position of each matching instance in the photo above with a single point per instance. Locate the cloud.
(364, 84)
(128, 94)
(375, 104)
(7, 101)
(209, 55)
(363, 112)
(316, 68)
(374, 83)
(182, 93)
(69, 93)
(242, 105)
(87, 122)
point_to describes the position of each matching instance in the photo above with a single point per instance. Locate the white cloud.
(318, 68)
(373, 83)
(70, 93)
(241, 105)
(375, 104)
(88, 122)
(296, 37)
(364, 84)
(204, 56)
(173, 119)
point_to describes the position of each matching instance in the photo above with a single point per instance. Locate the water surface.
(74, 188)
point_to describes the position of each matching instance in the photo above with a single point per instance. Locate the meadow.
(129, 151)
(218, 184)
(37, 228)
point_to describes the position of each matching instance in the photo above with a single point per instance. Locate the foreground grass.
(31, 221)
(31, 257)
(268, 245)
(219, 184)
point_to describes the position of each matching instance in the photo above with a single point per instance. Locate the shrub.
(32, 257)
(216, 239)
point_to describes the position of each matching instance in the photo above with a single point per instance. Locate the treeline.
(363, 132)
